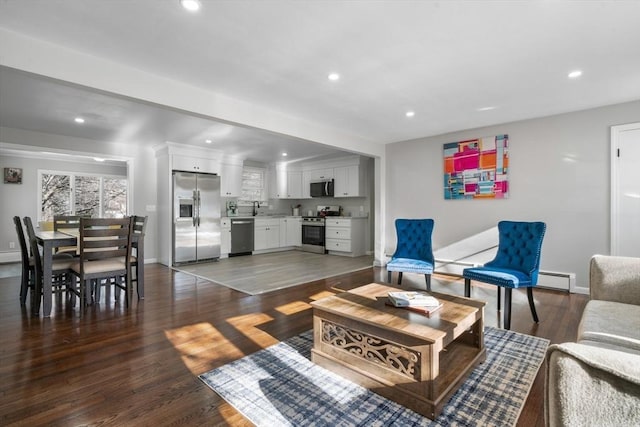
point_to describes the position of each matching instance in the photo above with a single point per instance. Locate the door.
(184, 217)
(625, 190)
(208, 217)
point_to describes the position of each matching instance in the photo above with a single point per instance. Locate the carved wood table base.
(412, 359)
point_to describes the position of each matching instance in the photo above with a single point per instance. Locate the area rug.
(281, 386)
(258, 274)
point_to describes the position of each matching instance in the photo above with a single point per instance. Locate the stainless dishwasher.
(241, 236)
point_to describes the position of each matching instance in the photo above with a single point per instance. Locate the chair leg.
(400, 278)
(507, 308)
(427, 278)
(388, 277)
(532, 305)
(498, 298)
(467, 287)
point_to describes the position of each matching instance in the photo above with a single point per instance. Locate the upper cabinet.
(231, 179)
(348, 181)
(287, 183)
(185, 163)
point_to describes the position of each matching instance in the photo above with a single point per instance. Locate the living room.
(560, 173)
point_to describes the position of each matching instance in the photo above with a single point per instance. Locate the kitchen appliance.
(242, 231)
(196, 217)
(232, 208)
(313, 229)
(321, 188)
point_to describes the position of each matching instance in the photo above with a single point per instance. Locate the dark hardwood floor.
(113, 366)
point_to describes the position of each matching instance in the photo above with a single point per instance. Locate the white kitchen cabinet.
(291, 231)
(195, 164)
(287, 183)
(230, 180)
(345, 236)
(294, 184)
(266, 233)
(348, 182)
(225, 236)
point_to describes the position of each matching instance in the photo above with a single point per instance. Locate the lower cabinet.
(290, 231)
(266, 234)
(225, 236)
(345, 236)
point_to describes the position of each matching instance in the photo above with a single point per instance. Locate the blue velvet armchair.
(414, 253)
(516, 265)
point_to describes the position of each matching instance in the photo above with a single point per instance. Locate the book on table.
(415, 301)
(412, 299)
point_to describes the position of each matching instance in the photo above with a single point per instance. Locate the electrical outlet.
(12, 245)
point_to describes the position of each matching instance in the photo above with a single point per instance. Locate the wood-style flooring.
(257, 274)
(139, 367)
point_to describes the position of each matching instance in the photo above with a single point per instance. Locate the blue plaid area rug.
(281, 386)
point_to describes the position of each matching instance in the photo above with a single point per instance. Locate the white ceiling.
(442, 59)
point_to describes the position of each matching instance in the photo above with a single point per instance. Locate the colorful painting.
(477, 168)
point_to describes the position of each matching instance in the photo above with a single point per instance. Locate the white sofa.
(596, 380)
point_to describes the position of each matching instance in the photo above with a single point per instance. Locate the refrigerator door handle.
(198, 208)
(195, 207)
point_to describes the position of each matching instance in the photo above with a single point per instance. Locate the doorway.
(625, 190)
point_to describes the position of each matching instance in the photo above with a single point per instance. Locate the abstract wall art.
(477, 168)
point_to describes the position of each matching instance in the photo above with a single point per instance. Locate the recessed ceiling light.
(98, 159)
(78, 120)
(333, 77)
(191, 5)
(208, 141)
(485, 108)
(284, 154)
(410, 113)
(575, 74)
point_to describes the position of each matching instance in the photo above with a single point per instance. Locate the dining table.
(49, 240)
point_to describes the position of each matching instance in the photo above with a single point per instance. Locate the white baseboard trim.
(7, 257)
(546, 279)
(150, 260)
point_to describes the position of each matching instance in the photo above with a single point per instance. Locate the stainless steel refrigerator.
(196, 217)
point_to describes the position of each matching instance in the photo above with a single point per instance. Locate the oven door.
(313, 238)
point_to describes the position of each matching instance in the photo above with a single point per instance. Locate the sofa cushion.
(613, 323)
(584, 382)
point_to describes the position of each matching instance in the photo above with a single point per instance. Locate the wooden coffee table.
(412, 359)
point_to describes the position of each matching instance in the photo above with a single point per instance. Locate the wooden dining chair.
(139, 226)
(27, 282)
(61, 279)
(105, 257)
(66, 222)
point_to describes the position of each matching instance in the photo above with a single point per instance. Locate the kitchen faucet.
(256, 205)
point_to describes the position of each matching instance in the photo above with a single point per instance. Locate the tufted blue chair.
(413, 249)
(516, 264)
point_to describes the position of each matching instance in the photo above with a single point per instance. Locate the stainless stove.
(313, 233)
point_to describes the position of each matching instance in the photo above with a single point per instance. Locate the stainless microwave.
(321, 189)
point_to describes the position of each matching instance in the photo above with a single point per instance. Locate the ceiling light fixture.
(284, 154)
(485, 108)
(78, 120)
(410, 113)
(191, 5)
(575, 74)
(98, 159)
(333, 77)
(208, 141)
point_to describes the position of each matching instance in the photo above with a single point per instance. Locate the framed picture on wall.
(13, 175)
(477, 168)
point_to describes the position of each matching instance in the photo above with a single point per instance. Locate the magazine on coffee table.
(419, 302)
(413, 299)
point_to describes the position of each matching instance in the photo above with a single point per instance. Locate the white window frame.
(263, 189)
(72, 177)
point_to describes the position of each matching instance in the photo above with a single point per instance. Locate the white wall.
(141, 160)
(559, 173)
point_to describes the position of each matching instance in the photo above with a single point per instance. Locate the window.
(253, 186)
(63, 193)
